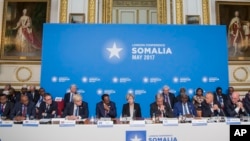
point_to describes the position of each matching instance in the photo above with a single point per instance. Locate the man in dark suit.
(184, 107)
(131, 109)
(48, 108)
(76, 110)
(23, 92)
(211, 108)
(23, 109)
(159, 108)
(68, 97)
(106, 108)
(246, 102)
(220, 97)
(169, 98)
(33, 92)
(5, 106)
(234, 107)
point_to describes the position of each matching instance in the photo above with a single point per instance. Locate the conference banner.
(139, 59)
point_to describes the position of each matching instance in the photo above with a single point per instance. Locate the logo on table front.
(136, 136)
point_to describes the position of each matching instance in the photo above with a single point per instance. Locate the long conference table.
(118, 132)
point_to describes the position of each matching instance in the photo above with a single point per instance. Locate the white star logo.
(135, 138)
(114, 51)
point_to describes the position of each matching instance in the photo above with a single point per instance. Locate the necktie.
(76, 112)
(167, 101)
(24, 111)
(185, 109)
(71, 95)
(47, 108)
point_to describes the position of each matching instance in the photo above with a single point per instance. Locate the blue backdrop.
(117, 59)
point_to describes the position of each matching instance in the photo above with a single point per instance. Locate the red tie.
(24, 111)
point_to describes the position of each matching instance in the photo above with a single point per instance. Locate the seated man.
(211, 108)
(5, 106)
(23, 109)
(159, 108)
(234, 107)
(76, 110)
(184, 107)
(106, 108)
(47, 108)
(68, 97)
(246, 102)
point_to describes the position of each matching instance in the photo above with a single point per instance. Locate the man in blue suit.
(76, 110)
(106, 108)
(184, 107)
(23, 109)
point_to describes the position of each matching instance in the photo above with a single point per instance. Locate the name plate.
(170, 122)
(6, 123)
(199, 122)
(31, 123)
(57, 120)
(105, 123)
(67, 123)
(233, 121)
(137, 123)
(105, 119)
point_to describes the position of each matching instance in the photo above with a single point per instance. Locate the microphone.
(18, 113)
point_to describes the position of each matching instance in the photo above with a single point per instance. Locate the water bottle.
(153, 118)
(92, 120)
(180, 118)
(27, 117)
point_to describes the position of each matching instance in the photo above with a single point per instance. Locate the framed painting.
(76, 18)
(22, 28)
(192, 19)
(236, 17)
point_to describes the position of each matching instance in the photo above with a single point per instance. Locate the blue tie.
(76, 112)
(185, 109)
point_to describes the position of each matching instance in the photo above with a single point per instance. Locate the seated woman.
(131, 109)
(198, 98)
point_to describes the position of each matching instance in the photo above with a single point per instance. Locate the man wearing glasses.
(48, 108)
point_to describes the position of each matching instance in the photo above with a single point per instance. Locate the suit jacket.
(7, 109)
(246, 103)
(42, 109)
(100, 111)
(230, 110)
(206, 110)
(179, 110)
(172, 99)
(17, 110)
(67, 99)
(126, 110)
(36, 96)
(154, 110)
(224, 97)
(18, 96)
(83, 110)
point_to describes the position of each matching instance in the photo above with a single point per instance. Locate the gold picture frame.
(22, 28)
(76, 18)
(192, 19)
(236, 17)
